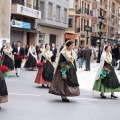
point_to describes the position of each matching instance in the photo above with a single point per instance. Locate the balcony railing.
(21, 2)
(85, 11)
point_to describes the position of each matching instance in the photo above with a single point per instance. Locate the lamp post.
(100, 32)
(87, 30)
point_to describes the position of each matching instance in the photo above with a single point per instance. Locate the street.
(28, 101)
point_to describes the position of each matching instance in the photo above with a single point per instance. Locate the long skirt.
(61, 88)
(8, 62)
(3, 89)
(31, 62)
(110, 83)
(39, 79)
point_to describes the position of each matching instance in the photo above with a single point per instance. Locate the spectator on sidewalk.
(54, 52)
(87, 55)
(80, 57)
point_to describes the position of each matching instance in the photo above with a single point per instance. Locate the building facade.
(24, 21)
(53, 22)
(5, 8)
(111, 24)
(80, 12)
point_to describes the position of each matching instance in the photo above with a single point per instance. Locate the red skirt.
(39, 79)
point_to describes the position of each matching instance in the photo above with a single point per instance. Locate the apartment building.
(80, 12)
(5, 8)
(53, 22)
(111, 23)
(24, 21)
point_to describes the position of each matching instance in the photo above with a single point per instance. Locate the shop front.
(68, 36)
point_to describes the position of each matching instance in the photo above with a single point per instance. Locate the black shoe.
(43, 86)
(102, 96)
(48, 86)
(16, 74)
(112, 96)
(65, 100)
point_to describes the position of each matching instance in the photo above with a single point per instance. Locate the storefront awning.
(25, 30)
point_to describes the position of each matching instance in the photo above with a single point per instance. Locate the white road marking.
(80, 98)
(19, 94)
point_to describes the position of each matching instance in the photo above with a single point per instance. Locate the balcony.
(25, 11)
(21, 2)
(85, 11)
(103, 5)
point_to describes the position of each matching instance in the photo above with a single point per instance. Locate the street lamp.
(100, 32)
(87, 30)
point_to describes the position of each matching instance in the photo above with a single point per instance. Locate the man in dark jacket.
(18, 53)
(54, 51)
(87, 55)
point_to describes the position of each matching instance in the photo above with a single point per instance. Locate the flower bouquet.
(64, 68)
(26, 57)
(38, 57)
(4, 69)
(105, 71)
(39, 64)
(2, 58)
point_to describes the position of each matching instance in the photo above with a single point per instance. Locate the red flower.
(107, 69)
(39, 64)
(26, 57)
(38, 57)
(3, 58)
(4, 68)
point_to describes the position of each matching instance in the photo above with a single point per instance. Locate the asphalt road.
(28, 101)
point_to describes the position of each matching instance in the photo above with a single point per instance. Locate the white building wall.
(59, 36)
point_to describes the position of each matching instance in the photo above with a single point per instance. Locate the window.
(82, 24)
(93, 28)
(50, 10)
(70, 22)
(58, 13)
(42, 9)
(65, 15)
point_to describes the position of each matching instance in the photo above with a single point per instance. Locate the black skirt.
(48, 71)
(3, 87)
(8, 62)
(111, 80)
(31, 62)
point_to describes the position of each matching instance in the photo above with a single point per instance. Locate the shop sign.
(28, 11)
(19, 24)
(70, 36)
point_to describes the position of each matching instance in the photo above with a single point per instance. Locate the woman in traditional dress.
(45, 73)
(42, 49)
(32, 58)
(3, 89)
(65, 82)
(106, 80)
(7, 53)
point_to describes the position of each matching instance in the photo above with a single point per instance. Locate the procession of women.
(59, 74)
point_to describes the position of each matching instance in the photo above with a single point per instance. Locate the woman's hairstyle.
(106, 47)
(69, 42)
(46, 45)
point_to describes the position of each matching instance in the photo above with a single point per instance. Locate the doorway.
(52, 39)
(28, 38)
